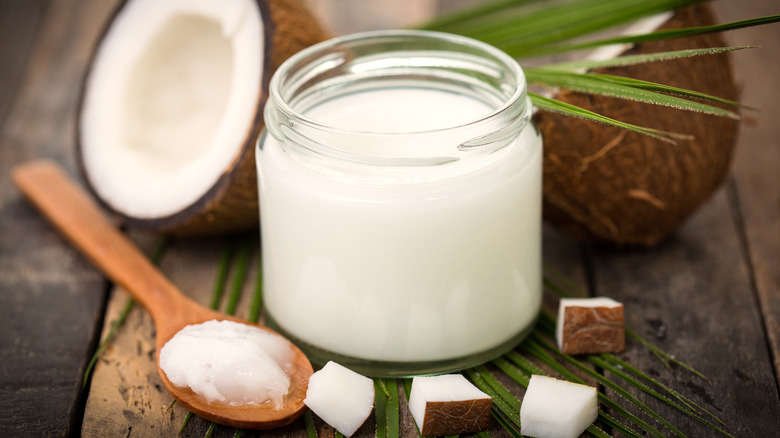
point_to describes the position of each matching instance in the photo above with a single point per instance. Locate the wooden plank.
(51, 298)
(757, 158)
(42, 121)
(697, 294)
(691, 296)
(19, 23)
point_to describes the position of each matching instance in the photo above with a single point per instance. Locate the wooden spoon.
(77, 217)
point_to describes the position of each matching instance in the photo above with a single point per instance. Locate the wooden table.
(710, 295)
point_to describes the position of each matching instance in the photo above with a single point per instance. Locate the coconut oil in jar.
(400, 202)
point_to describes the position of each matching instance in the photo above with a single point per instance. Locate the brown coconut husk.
(610, 185)
(456, 417)
(231, 205)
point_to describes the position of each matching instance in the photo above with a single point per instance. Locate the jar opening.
(435, 128)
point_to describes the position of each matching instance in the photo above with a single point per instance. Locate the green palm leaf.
(622, 88)
(503, 399)
(308, 420)
(651, 86)
(654, 36)
(553, 105)
(687, 410)
(257, 297)
(239, 277)
(386, 408)
(529, 24)
(525, 28)
(621, 61)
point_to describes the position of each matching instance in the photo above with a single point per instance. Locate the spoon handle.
(77, 217)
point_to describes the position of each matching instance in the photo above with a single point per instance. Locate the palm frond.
(622, 88)
(554, 105)
(529, 28)
(522, 26)
(626, 60)
(386, 408)
(652, 36)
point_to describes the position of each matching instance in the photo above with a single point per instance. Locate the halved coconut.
(172, 106)
(609, 185)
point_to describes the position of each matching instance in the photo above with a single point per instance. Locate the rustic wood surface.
(710, 295)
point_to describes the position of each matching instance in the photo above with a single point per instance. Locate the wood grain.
(19, 22)
(690, 299)
(77, 217)
(755, 187)
(51, 300)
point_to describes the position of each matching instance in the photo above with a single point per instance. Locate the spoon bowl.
(265, 416)
(79, 219)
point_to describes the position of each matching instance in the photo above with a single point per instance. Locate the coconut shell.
(456, 417)
(609, 185)
(231, 205)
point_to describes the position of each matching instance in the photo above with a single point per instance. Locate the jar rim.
(324, 46)
(486, 69)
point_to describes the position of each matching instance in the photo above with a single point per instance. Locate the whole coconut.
(609, 185)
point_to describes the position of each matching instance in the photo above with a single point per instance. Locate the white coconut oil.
(412, 242)
(229, 363)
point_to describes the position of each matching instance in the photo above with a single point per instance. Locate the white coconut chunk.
(555, 408)
(341, 397)
(590, 326)
(169, 101)
(448, 405)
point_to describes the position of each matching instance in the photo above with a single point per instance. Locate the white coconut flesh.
(169, 101)
(341, 397)
(554, 408)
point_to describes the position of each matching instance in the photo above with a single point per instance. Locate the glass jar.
(400, 203)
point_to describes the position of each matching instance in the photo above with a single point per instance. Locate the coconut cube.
(448, 405)
(590, 326)
(341, 397)
(555, 408)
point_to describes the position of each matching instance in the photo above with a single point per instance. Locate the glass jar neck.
(395, 60)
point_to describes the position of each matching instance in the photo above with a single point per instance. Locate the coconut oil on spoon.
(236, 404)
